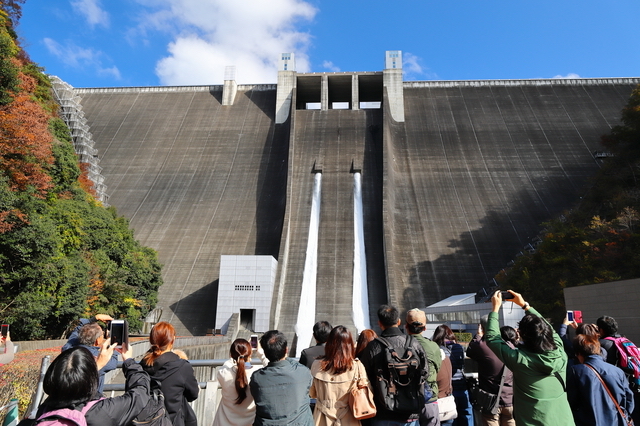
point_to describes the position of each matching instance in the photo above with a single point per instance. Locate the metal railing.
(207, 403)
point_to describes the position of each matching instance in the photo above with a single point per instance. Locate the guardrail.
(205, 406)
(207, 403)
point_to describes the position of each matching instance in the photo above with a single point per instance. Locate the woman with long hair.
(444, 337)
(71, 382)
(333, 376)
(237, 407)
(538, 364)
(365, 337)
(177, 380)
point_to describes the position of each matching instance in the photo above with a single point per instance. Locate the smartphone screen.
(119, 333)
(254, 341)
(570, 316)
(5, 330)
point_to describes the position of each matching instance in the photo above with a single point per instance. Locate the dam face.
(452, 189)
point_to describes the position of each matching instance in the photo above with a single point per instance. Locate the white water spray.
(307, 309)
(360, 297)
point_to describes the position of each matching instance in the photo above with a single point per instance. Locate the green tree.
(598, 241)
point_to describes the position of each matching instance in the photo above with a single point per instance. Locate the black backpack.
(400, 381)
(155, 413)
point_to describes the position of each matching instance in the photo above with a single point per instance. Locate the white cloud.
(92, 11)
(112, 72)
(329, 65)
(78, 57)
(570, 75)
(412, 68)
(212, 34)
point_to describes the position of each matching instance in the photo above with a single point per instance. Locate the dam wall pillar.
(355, 93)
(286, 84)
(324, 93)
(392, 81)
(230, 87)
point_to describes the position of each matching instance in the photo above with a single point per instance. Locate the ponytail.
(240, 352)
(161, 338)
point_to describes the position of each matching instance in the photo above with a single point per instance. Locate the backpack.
(155, 413)
(61, 417)
(628, 359)
(400, 382)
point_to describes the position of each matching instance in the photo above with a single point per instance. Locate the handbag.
(627, 420)
(447, 408)
(361, 397)
(487, 402)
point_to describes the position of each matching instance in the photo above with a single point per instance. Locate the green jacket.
(539, 397)
(434, 360)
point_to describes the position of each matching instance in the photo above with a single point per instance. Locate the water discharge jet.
(360, 299)
(307, 308)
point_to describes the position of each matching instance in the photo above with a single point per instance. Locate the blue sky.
(106, 43)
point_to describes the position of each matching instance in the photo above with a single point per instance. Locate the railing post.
(35, 401)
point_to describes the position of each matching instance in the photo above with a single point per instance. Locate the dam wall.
(450, 195)
(195, 179)
(475, 170)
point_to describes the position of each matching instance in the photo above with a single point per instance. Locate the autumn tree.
(599, 240)
(62, 254)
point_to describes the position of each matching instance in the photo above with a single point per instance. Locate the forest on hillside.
(597, 241)
(63, 255)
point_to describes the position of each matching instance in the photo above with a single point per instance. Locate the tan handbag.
(361, 397)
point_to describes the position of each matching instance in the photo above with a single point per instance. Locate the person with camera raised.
(90, 335)
(539, 366)
(9, 350)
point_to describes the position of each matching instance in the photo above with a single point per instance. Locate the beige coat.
(332, 394)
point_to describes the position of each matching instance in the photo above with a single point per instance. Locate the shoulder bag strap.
(504, 375)
(384, 342)
(564, 387)
(356, 375)
(624, 417)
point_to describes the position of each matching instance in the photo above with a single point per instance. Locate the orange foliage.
(25, 141)
(85, 182)
(6, 225)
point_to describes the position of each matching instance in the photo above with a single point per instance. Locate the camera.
(5, 330)
(119, 333)
(506, 295)
(254, 341)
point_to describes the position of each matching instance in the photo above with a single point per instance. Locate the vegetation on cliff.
(599, 240)
(62, 254)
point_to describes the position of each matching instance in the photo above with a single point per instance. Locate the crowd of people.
(531, 375)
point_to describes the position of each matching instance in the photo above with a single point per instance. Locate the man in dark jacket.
(374, 359)
(321, 331)
(281, 389)
(490, 370)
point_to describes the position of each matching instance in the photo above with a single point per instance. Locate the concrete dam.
(456, 178)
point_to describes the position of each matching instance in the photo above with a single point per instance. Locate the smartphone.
(106, 329)
(506, 295)
(570, 316)
(119, 333)
(577, 315)
(5, 330)
(254, 341)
